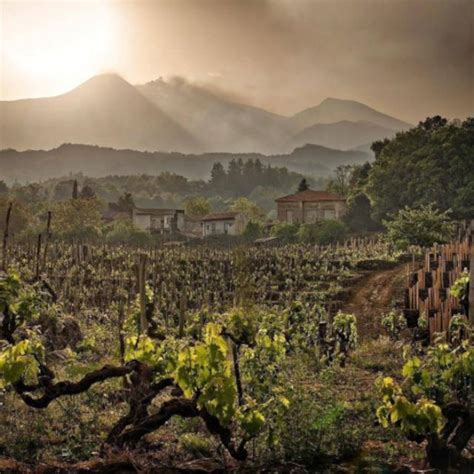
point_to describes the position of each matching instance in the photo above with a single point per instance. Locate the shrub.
(323, 232)
(423, 226)
(287, 233)
(253, 230)
(124, 231)
(394, 323)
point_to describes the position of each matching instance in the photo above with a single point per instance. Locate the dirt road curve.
(373, 296)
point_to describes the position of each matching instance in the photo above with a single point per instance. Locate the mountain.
(221, 124)
(106, 110)
(94, 161)
(343, 135)
(176, 115)
(336, 110)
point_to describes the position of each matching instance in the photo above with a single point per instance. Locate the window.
(311, 216)
(227, 226)
(329, 214)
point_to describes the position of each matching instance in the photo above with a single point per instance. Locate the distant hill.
(337, 110)
(93, 161)
(344, 135)
(176, 115)
(104, 111)
(222, 125)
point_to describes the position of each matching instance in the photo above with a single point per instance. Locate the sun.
(54, 46)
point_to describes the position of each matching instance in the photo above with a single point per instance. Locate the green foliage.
(431, 163)
(324, 232)
(20, 304)
(248, 208)
(197, 206)
(445, 375)
(423, 226)
(286, 233)
(253, 230)
(205, 369)
(394, 323)
(124, 232)
(359, 213)
(77, 219)
(303, 186)
(344, 328)
(20, 362)
(460, 287)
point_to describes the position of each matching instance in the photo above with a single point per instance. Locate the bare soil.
(373, 296)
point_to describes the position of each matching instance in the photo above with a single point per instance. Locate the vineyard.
(439, 289)
(186, 279)
(188, 352)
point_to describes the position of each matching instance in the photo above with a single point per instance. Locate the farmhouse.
(307, 207)
(162, 221)
(223, 223)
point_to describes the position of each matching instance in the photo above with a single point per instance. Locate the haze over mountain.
(93, 161)
(176, 115)
(343, 135)
(105, 110)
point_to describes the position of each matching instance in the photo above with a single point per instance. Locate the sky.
(407, 58)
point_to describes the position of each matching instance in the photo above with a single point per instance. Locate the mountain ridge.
(95, 161)
(177, 115)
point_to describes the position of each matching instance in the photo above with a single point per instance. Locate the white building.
(223, 223)
(160, 221)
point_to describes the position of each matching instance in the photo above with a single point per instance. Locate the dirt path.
(374, 295)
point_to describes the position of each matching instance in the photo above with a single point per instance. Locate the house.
(114, 213)
(307, 207)
(192, 226)
(162, 221)
(223, 223)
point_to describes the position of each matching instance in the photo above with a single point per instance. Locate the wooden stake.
(5, 237)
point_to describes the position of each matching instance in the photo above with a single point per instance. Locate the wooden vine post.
(142, 292)
(5, 237)
(471, 292)
(46, 241)
(38, 257)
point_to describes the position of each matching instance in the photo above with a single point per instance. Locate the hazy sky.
(409, 58)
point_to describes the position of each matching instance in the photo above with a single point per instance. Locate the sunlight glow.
(56, 46)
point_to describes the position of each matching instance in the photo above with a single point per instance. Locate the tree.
(20, 217)
(423, 226)
(341, 183)
(87, 192)
(218, 177)
(126, 203)
(197, 206)
(253, 230)
(431, 163)
(303, 186)
(3, 188)
(359, 214)
(247, 208)
(77, 218)
(63, 190)
(75, 190)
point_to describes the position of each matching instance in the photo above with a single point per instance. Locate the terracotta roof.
(220, 216)
(156, 212)
(311, 196)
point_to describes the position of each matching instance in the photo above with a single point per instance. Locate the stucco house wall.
(308, 207)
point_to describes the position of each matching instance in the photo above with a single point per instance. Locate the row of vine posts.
(427, 291)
